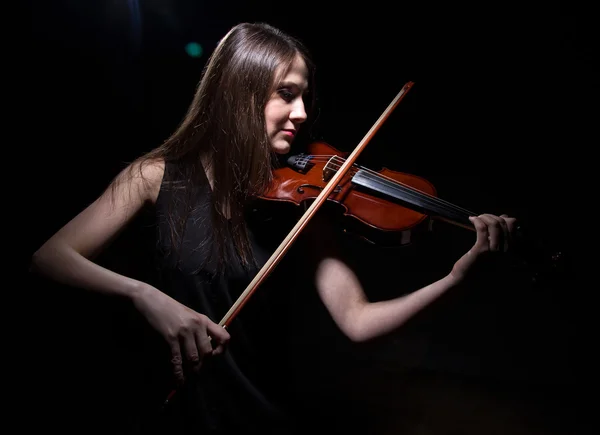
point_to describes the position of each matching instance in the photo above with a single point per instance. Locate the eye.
(286, 94)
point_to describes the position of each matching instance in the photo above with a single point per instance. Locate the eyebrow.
(290, 84)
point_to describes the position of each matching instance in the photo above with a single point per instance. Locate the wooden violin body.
(369, 201)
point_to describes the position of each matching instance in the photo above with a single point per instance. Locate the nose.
(298, 113)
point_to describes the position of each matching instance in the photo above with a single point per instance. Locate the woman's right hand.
(189, 334)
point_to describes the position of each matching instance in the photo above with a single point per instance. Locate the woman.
(254, 96)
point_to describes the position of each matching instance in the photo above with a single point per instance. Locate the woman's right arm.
(67, 257)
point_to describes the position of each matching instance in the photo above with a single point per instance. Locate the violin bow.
(295, 232)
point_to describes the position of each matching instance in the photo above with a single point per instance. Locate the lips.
(290, 133)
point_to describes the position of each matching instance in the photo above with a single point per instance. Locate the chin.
(281, 147)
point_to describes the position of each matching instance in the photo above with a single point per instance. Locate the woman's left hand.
(494, 234)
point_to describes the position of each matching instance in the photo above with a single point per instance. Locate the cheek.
(274, 116)
(271, 126)
(269, 120)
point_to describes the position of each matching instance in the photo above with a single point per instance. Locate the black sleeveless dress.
(248, 389)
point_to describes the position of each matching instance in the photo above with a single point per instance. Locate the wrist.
(139, 291)
(452, 279)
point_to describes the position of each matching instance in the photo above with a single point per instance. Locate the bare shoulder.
(144, 176)
(153, 172)
(101, 221)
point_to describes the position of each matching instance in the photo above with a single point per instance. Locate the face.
(285, 112)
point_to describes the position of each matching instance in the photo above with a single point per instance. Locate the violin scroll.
(543, 262)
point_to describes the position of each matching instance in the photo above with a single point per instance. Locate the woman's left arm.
(341, 291)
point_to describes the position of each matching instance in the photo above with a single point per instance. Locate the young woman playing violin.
(202, 184)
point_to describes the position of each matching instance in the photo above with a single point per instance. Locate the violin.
(390, 208)
(385, 207)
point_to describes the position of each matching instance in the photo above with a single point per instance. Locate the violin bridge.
(330, 169)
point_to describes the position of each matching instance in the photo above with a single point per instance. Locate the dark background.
(500, 119)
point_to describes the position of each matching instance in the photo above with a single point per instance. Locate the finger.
(220, 337)
(505, 232)
(495, 238)
(176, 361)
(511, 222)
(203, 342)
(191, 351)
(511, 225)
(482, 232)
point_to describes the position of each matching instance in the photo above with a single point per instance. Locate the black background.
(500, 119)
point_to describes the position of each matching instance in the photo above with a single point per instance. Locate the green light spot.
(193, 49)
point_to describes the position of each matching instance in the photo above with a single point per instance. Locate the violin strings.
(435, 201)
(395, 184)
(431, 199)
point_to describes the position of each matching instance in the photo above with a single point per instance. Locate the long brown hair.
(224, 129)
